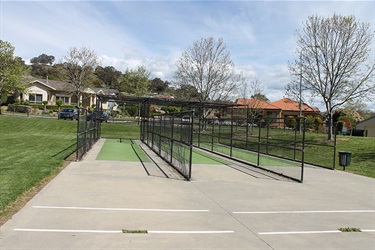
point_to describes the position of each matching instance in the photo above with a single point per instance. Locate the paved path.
(96, 204)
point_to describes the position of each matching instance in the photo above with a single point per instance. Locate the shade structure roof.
(166, 101)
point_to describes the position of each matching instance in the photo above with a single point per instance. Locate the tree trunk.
(330, 122)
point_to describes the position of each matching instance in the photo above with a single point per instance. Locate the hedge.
(23, 108)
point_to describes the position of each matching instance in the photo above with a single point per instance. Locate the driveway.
(96, 204)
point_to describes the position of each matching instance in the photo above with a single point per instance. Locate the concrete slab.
(90, 202)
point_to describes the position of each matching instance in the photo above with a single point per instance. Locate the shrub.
(18, 108)
(170, 109)
(318, 123)
(310, 122)
(348, 121)
(290, 122)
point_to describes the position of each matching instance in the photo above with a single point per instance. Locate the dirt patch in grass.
(330, 141)
(21, 201)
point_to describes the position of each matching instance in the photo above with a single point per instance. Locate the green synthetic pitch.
(124, 150)
(202, 158)
(121, 150)
(250, 156)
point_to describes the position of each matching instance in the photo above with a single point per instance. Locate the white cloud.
(128, 34)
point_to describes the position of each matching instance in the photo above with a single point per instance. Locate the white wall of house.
(368, 125)
(39, 92)
(34, 92)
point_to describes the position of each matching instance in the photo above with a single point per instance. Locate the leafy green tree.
(59, 104)
(12, 71)
(158, 86)
(41, 66)
(108, 75)
(187, 92)
(260, 96)
(43, 59)
(135, 81)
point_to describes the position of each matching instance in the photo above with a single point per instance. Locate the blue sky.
(127, 34)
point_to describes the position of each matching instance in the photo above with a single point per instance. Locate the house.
(369, 125)
(52, 90)
(259, 107)
(277, 110)
(290, 107)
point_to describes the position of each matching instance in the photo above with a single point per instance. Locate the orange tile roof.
(291, 105)
(256, 103)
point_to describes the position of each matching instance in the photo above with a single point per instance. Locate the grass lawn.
(318, 150)
(31, 149)
(120, 130)
(363, 154)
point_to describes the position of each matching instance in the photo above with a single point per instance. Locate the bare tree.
(255, 104)
(208, 67)
(333, 61)
(255, 107)
(79, 64)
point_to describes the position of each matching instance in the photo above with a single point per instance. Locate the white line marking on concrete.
(307, 212)
(190, 232)
(117, 231)
(123, 209)
(310, 232)
(67, 231)
(368, 230)
(301, 232)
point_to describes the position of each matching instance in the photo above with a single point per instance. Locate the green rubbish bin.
(344, 158)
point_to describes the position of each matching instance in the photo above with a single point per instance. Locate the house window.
(35, 98)
(74, 99)
(64, 99)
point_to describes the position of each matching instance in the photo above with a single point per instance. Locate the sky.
(260, 35)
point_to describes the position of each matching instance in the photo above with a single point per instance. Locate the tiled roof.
(291, 105)
(105, 90)
(56, 85)
(61, 86)
(284, 104)
(257, 104)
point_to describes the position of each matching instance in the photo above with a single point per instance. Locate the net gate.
(170, 137)
(88, 132)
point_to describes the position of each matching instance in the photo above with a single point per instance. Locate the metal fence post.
(172, 136)
(303, 149)
(259, 135)
(334, 145)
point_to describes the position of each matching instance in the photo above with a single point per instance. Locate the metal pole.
(172, 124)
(334, 146)
(303, 150)
(259, 134)
(247, 127)
(191, 144)
(212, 135)
(268, 134)
(300, 92)
(231, 134)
